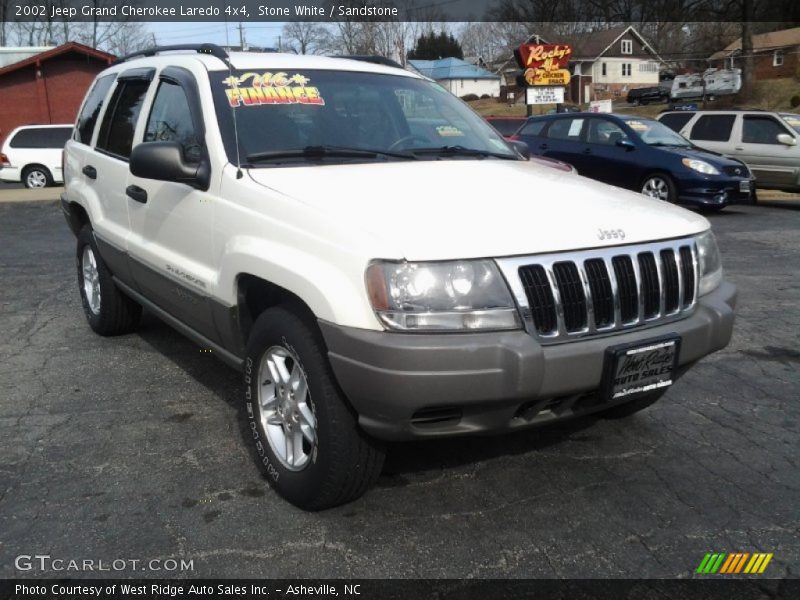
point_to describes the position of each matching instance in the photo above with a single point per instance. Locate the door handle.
(89, 171)
(739, 148)
(543, 146)
(587, 151)
(134, 192)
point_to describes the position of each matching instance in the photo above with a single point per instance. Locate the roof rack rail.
(211, 49)
(377, 60)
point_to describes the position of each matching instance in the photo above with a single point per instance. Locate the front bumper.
(406, 386)
(706, 192)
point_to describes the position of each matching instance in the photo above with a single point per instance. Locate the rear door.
(712, 131)
(563, 142)
(106, 168)
(604, 160)
(771, 162)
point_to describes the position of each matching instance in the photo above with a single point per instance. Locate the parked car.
(506, 126)
(766, 141)
(359, 267)
(32, 154)
(647, 95)
(640, 154)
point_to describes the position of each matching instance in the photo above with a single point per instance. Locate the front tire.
(37, 177)
(305, 434)
(108, 310)
(660, 187)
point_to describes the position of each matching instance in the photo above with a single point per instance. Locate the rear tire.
(623, 411)
(36, 177)
(306, 436)
(108, 310)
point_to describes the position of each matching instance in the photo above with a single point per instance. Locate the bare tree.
(305, 37)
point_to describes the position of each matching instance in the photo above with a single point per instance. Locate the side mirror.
(786, 139)
(627, 144)
(164, 161)
(521, 148)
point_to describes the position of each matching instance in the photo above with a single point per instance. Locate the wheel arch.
(77, 217)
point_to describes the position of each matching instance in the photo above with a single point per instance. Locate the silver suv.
(765, 141)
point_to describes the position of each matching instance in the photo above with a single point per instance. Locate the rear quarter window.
(91, 109)
(676, 121)
(533, 128)
(713, 128)
(41, 137)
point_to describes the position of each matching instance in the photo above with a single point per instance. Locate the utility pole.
(241, 38)
(280, 49)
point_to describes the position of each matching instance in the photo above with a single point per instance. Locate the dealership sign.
(544, 64)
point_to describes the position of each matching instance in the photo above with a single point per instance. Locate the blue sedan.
(639, 154)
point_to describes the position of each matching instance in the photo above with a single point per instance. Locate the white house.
(458, 76)
(608, 63)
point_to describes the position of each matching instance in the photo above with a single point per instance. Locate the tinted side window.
(91, 109)
(534, 128)
(119, 122)
(676, 121)
(171, 121)
(761, 130)
(44, 137)
(566, 129)
(713, 128)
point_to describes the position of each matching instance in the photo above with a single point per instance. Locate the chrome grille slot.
(651, 287)
(540, 298)
(570, 295)
(573, 299)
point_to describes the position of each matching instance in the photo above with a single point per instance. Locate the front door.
(771, 162)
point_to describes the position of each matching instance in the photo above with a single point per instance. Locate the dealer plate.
(744, 186)
(640, 368)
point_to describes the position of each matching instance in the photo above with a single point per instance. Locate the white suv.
(32, 155)
(332, 228)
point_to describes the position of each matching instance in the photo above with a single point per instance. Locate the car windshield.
(792, 120)
(299, 116)
(654, 133)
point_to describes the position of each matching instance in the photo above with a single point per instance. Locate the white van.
(32, 154)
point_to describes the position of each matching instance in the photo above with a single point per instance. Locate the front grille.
(736, 171)
(574, 294)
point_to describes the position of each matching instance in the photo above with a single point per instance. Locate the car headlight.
(462, 295)
(709, 263)
(700, 166)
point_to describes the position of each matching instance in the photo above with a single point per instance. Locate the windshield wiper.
(325, 152)
(461, 151)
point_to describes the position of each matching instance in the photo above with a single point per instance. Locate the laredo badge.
(255, 89)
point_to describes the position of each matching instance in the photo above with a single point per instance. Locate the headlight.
(441, 296)
(710, 263)
(700, 166)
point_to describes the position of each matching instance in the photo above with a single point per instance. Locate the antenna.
(235, 124)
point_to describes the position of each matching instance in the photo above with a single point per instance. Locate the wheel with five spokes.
(660, 187)
(107, 309)
(306, 435)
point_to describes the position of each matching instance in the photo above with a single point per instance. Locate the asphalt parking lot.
(135, 448)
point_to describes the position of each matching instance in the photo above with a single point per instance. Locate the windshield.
(654, 133)
(339, 116)
(792, 121)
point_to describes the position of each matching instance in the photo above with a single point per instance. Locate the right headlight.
(709, 263)
(461, 295)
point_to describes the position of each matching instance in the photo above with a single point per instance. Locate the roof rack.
(377, 60)
(211, 49)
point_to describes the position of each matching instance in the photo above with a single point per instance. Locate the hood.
(450, 209)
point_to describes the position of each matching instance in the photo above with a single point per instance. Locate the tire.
(622, 411)
(335, 462)
(36, 177)
(660, 187)
(108, 310)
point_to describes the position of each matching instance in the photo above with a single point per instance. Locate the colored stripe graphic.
(734, 563)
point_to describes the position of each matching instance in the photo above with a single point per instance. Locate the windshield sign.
(655, 133)
(295, 117)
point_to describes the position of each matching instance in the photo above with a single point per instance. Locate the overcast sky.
(256, 34)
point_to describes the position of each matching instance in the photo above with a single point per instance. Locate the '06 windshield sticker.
(255, 89)
(449, 131)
